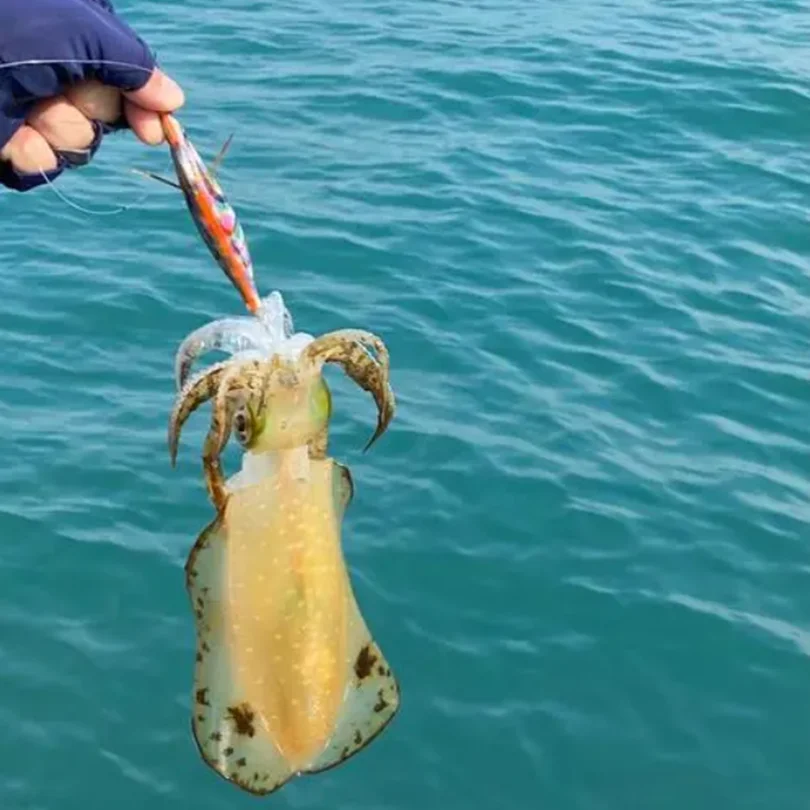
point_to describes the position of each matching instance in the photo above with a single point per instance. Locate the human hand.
(91, 74)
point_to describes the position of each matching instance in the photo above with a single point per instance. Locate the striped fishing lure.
(212, 214)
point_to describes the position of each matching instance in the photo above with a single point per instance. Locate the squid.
(288, 679)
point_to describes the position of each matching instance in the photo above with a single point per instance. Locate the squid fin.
(342, 488)
(229, 736)
(372, 693)
(371, 699)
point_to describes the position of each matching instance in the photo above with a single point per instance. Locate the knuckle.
(29, 152)
(61, 124)
(96, 101)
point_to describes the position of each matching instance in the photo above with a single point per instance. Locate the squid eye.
(242, 426)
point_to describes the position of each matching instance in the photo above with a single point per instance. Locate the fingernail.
(160, 93)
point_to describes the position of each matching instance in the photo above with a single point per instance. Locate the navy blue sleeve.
(47, 45)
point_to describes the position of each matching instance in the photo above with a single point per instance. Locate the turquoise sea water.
(582, 230)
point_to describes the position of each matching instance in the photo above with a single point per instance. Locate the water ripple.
(583, 235)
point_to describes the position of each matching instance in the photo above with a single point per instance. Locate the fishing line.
(48, 181)
(91, 211)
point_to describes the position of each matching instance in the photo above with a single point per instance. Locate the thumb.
(160, 93)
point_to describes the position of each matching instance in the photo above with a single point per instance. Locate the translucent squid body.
(288, 679)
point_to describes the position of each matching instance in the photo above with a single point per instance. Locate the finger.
(96, 101)
(144, 123)
(160, 93)
(28, 152)
(61, 124)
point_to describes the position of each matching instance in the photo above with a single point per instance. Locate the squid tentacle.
(348, 348)
(217, 437)
(242, 378)
(231, 335)
(195, 392)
